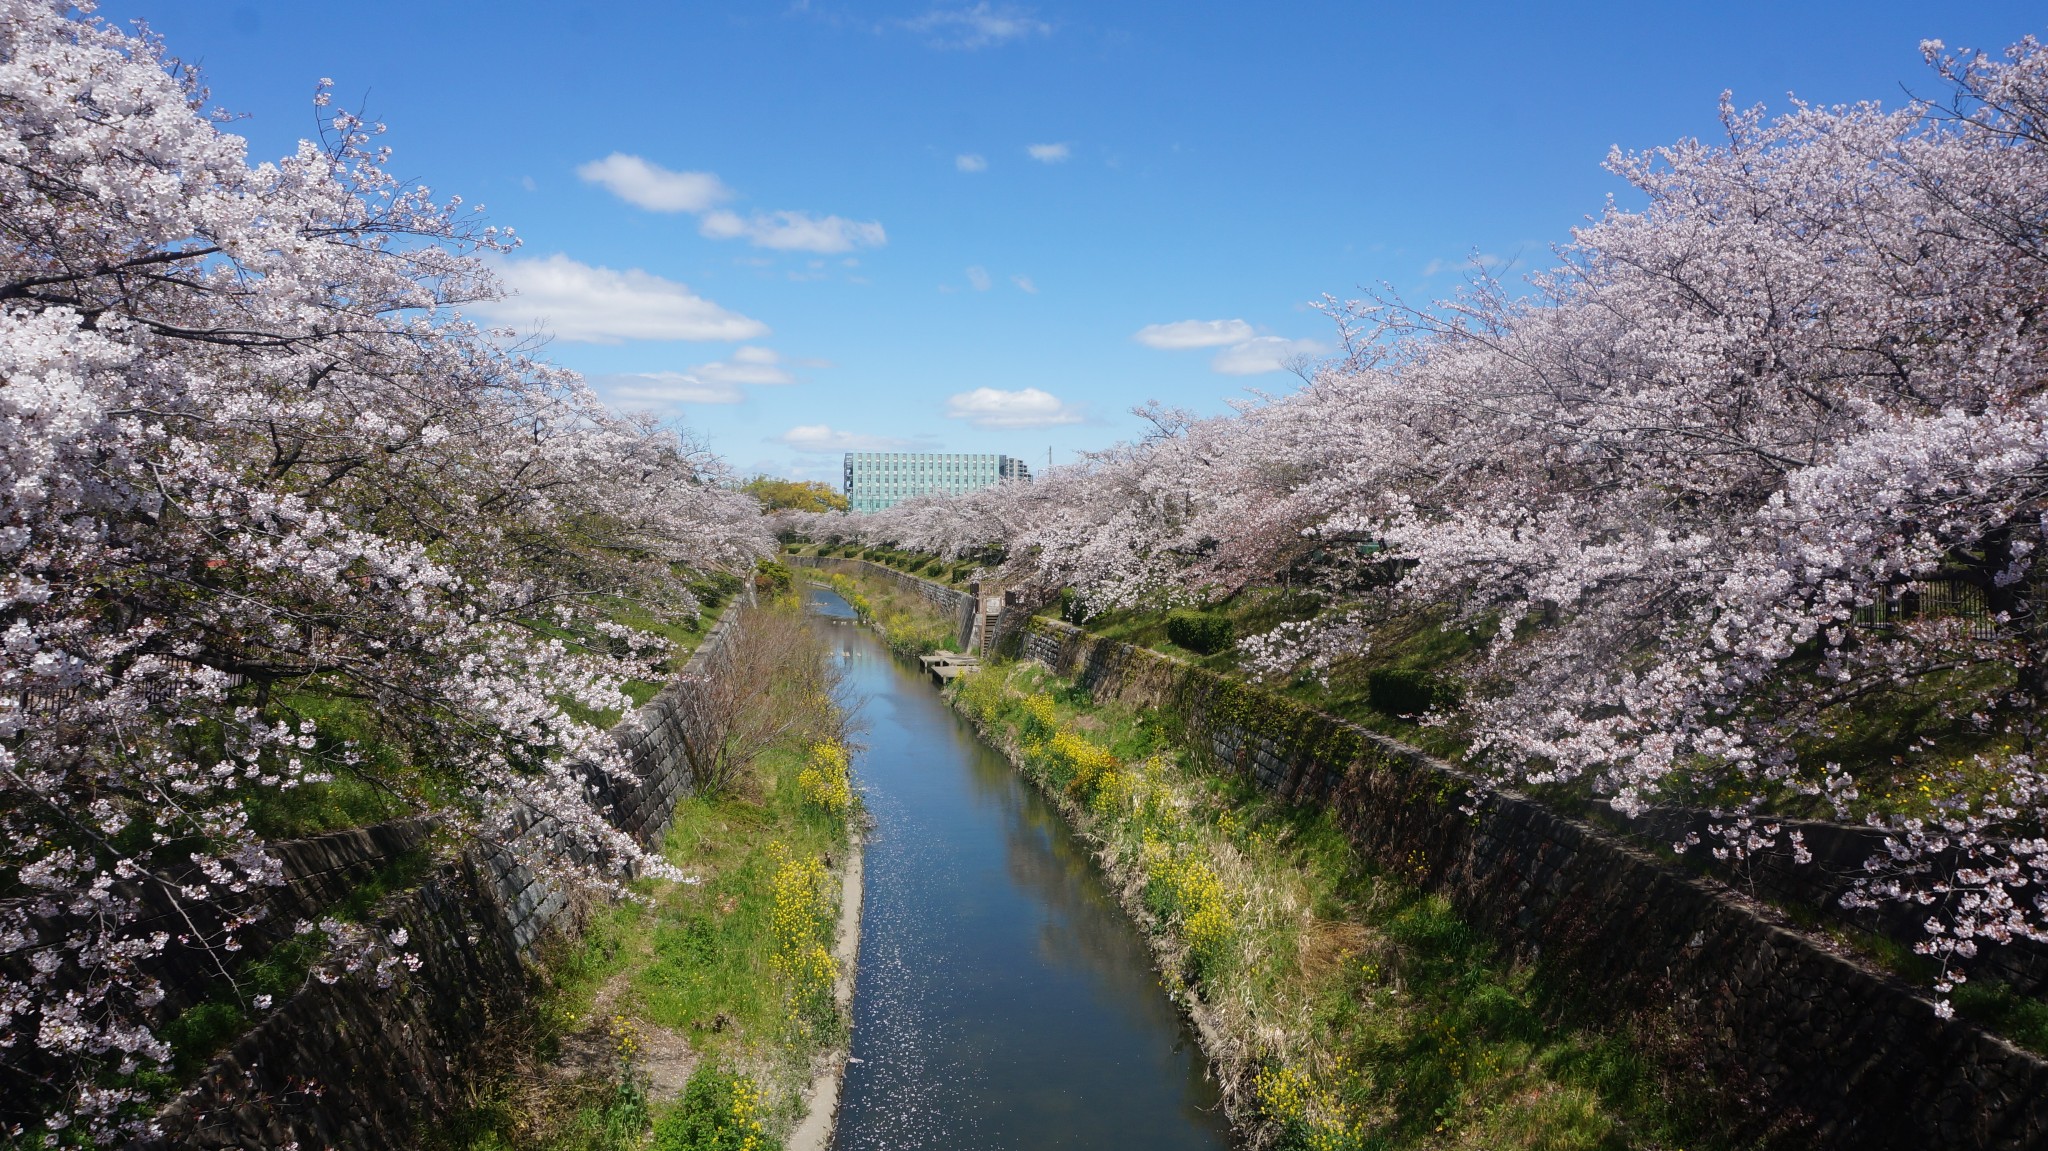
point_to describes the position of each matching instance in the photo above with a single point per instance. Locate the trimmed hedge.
(1204, 633)
(1398, 691)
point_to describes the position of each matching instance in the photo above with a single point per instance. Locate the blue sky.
(801, 228)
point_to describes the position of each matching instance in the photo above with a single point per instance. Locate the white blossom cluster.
(1687, 482)
(251, 454)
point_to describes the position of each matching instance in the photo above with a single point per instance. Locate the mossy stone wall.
(352, 1066)
(1850, 1057)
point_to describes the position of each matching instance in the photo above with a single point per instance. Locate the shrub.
(773, 578)
(1182, 886)
(1071, 608)
(1306, 1116)
(1077, 762)
(1202, 632)
(1405, 691)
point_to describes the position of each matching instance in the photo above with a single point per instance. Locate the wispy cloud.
(653, 187)
(822, 438)
(1264, 354)
(995, 408)
(1476, 261)
(983, 25)
(757, 366)
(1049, 153)
(718, 382)
(665, 390)
(971, 162)
(795, 231)
(593, 305)
(1024, 284)
(977, 278)
(1183, 334)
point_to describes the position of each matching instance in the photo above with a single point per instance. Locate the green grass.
(390, 780)
(2001, 1009)
(951, 572)
(696, 952)
(1417, 646)
(908, 622)
(688, 961)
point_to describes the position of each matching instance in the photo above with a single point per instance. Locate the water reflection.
(1004, 1001)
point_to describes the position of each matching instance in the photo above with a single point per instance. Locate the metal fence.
(1933, 599)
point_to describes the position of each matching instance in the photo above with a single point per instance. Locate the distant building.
(877, 480)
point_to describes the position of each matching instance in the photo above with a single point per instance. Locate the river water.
(1004, 1000)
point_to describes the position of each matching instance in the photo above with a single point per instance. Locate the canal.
(1004, 1000)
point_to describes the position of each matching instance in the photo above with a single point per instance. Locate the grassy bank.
(693, 1017)
(955, 572)
(1343, 1007)
(906, 621)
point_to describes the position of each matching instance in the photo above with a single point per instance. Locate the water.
(1004, 1000)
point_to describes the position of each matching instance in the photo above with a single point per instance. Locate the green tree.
(800, 495)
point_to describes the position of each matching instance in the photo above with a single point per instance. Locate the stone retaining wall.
(1851, 1057)
(350, 1065)
(318, 870)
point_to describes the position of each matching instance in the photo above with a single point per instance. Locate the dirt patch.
(667, 1059)
(610, 1037)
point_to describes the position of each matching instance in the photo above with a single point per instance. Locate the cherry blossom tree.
(252, 456)
(1690, 482)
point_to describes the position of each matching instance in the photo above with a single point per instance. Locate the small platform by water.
(946, 665)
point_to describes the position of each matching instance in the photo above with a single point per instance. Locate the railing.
(1933, 599)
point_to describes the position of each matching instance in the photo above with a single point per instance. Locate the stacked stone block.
(351, 1065)
(1833, 1052)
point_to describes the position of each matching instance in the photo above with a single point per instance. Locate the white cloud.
(1193, 334)
(977, 278)
(1050, 153)
(1264, 354)
(821, 438)
(591, 305)
(654, 187)
(657, 189)
(666, 389)
(980, 26)
(995, 408)
(1024, 284)
(795, 231)
(971, 162)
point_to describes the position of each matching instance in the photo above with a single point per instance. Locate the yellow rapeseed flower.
(824, 780)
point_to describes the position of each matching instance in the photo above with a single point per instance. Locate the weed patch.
(704, 997)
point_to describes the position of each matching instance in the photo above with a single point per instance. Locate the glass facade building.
(876, 480)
